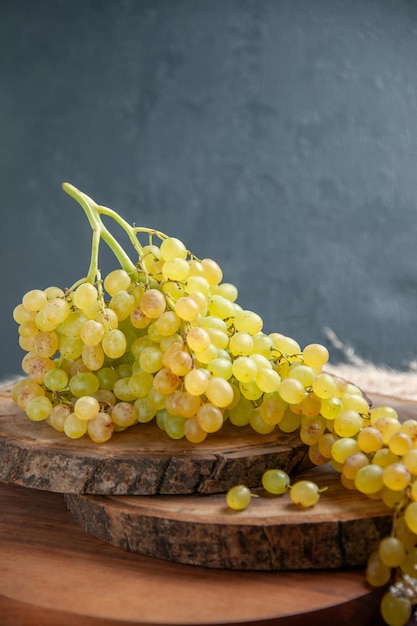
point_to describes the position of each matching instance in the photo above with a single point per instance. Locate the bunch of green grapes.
(163, 339)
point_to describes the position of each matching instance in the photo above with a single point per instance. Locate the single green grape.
(238, 497)
(275, 481)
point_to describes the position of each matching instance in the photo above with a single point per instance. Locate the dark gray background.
(277, 136)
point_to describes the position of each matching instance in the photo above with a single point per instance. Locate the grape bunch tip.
(163, 339)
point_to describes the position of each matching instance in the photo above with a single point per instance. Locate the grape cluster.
(164, 339)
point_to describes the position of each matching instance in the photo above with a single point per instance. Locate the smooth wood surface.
(142, 460)
(342, 529)
(53, 573)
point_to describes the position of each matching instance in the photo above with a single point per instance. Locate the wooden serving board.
(142, 460)
(53, 573)
(273, 534)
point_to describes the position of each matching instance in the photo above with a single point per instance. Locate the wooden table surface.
(53, 573)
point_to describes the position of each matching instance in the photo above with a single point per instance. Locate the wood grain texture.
(271, 534)
(52, 572)
(140, 461)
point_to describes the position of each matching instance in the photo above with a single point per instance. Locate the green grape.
(396, 476)
(140, 384)
(100, 429)
(355, 402)
(38, 408)
(56, 311)
(124, 414)
(241, 344)
(122, 390)
(219, 392)
(165, 381)
(248, 322)
(240, 414)
(348, 423)
(122, 303)
(144, 409)
(302, 373)
(395, 610)
(28, 329)
(377, 573)
(370, 439)
(342, 448)
(93, 357)
(369, 479)
(198, 283)
(86, 407)
(291, 390)
(353, 463)
(315, 355)
(187, 309)
(311, 431)
(85, 296)
(218, 338)
(238, 498)
(34, 300)
(196, 381)
(325, 444)
(107, 376)
(250, 390)
(168, 323)
(56, 379)
(221, 367)
(212, 271)
(172, 248)
(209, 417)
(58, 415)
(114, 343)
(331, 407)
(258, 424)
(272, 410)
(75, 428)
(175, 269)
(150, 359)
(179, 362)
(290, 422)
(387, 426)
(382, 411)
(116, 280)
(193, 431)
(275, 481)
(391, 551)
(175, 426)
(324, 386)
(400, 443)
(92, 332)
(153, 303)
(244, 369)
(267, 379)
(83, 384)
(198, 339)
(385, 457)
(22, 315)
(221, 307)
(305, 493)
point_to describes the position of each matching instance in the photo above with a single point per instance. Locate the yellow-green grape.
(22, 315)
(395, 610)
(28, 330)
(244, 369)
(315, 355)
(140, 383)
(92, 332)
(193, 431)
(183, 404)
(325, 444)
(212, 271)
(58, 415)
(172, 248)
(46, 343)
(56, 379)
(38, 408)
(393, 499)
(387, 426)
(410, 428)
(241, 344)
(86, 407)
(153, 303)
(151, 259)
(312, 428)
(250, 390)
(221, 367)
(377, 573)
(348, 423)
(303, 373)
(209, 417)
(187, 309)
(405, 535)
(275, 481)
(167, 323)
(145, 410)
(410, 461)
(122, 303)
(342, 448)
(258, 424)
(156, 400)
(196, 283)
(369, 479)
(290, 422)
(382, 411)
(124, 414)
(219, 392)
(180, 362)
(114, 343)
(34, 300)
(391, 551)
(238, 498)
(74, 427)
(150, 359)
(240, 414)
(384, 457)
(198, 339)
(409, 565)
(248, 322)
(355, 402)
(227, 290)
(267, 379)
(370, 439)
(218, 338)
(324, 386)
(315, 455)
(396, 476)
(331, 407)
(175, 269)
(272, 410)
(400, 443)
(106, 398)
(83, 384)
(24, 391)
(122, 390)
(196, 381)
(353, 463)
(221, 307)
(173, 290)
(291, 390)
(107, 376)
(93, 357)
(56, 311)
(108, 318)
(305, 493)
(175, 426)
(116, 281)
(165, 381)
(85, 296)
(100, 429)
